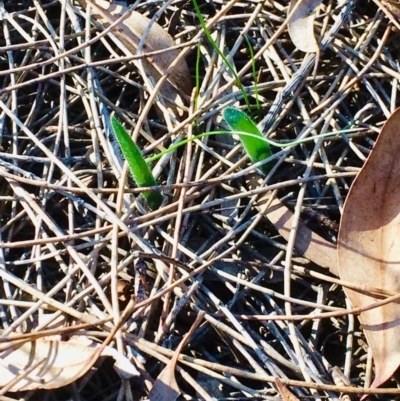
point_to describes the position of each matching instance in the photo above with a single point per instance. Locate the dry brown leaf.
(130, 32)
(308, 243)
(393, 7)
(301, 25)
(284, 392)
(166, 388)
(392, 10)
(369, 243)
(55, 363)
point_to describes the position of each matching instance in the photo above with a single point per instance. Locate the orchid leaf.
(138, 167)
(257, 149)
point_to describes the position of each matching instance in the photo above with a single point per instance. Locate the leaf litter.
(74, 216)
(301, 25)
(368, 246)
(52, 363)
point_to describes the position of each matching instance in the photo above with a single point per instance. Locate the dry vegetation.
(68, 222)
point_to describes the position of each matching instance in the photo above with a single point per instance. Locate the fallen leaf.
(393, 7)
(284, 392)
(166, 388)
(339, 378)
(369, 243)
(301, 25)
(392, 10)
(308, 243)
(54, 363)
(130, 32)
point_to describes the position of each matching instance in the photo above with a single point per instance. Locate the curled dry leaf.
(286, 394)
(369, 243)
(308, 243)
(166, 388)
(130, 32)
(54, 363)
(393, 7)
(301, 25)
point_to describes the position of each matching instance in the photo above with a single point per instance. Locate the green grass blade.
(219, 51)
(257, 149)
(140, 170)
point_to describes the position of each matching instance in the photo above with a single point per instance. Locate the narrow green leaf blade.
(140, 170)
(257, 150)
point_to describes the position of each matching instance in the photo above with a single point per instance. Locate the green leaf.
(140, 170)
(257, 149)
